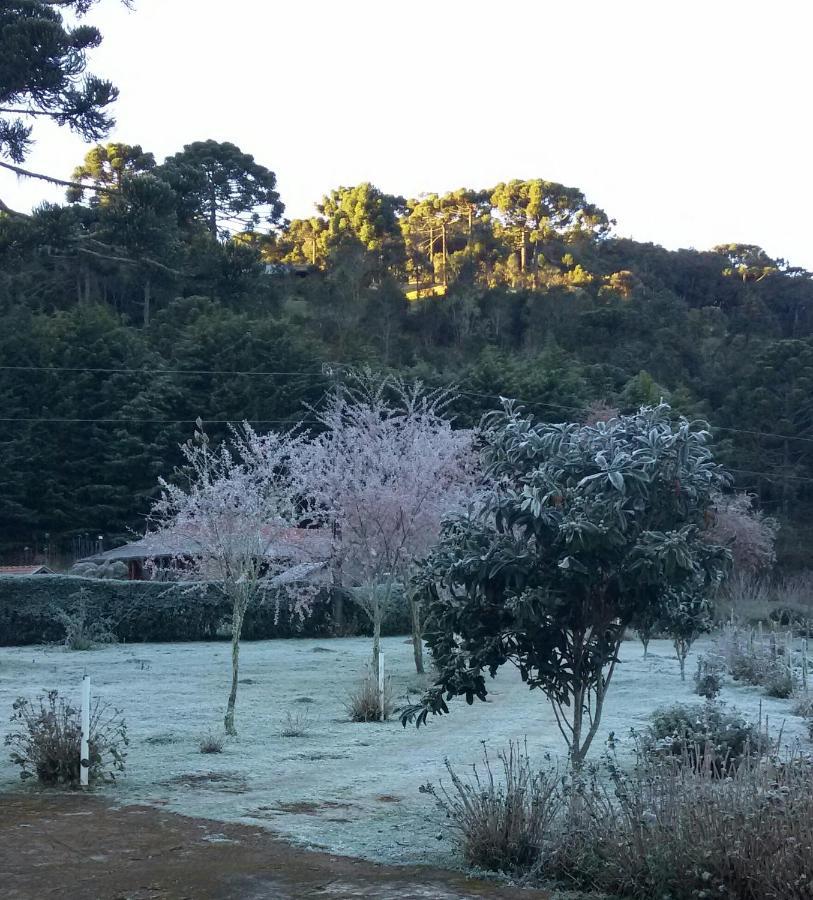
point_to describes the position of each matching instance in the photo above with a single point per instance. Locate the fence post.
(84, 750)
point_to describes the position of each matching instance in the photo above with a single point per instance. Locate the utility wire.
(123, 371)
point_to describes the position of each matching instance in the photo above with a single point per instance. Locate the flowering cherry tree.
(381, 475)
(228, 517)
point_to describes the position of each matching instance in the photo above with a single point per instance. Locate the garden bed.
(346, 788)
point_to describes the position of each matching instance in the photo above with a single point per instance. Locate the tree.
(140, 231)
(384, 471)
(106, 166)
(748, 533)
(531, 214)
(223, 187)
(43, 76)
(231, 512)
(581, 529)
(367, 216)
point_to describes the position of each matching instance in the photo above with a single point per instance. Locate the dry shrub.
(84, 629)
(211, 742)
(297, 723)
(45, 741)
(705, 736)
(363, 703)
(501, 823)
(671, 831)
(759, 660)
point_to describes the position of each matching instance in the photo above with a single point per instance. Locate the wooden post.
(84, 749)
(381, 704)
(804, 664)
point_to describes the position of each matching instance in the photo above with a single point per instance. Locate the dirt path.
(82, 848)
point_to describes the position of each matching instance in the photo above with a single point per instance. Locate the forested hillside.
(160, 291)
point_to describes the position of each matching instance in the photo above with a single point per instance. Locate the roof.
(25, 570)
(294, 543)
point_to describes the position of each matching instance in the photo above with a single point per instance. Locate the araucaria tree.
(384, 471)
(228, 518)
(582, 529)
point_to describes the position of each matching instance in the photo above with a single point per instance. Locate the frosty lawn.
(350, 788)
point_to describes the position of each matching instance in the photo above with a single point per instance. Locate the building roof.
(299, 544)
(25, 570)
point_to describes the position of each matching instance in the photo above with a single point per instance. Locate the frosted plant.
(382, 474)
(228, 517)
(747, 532)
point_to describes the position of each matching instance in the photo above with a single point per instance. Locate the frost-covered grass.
(349, 787)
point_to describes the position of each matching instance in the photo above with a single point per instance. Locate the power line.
(581, 409)
(125, 421)
(123, 371)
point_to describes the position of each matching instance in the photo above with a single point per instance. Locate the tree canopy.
(580, 530)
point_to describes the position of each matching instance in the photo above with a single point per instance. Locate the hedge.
(159, 611)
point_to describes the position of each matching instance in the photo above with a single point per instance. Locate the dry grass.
(363, 703)
(211, 742)
(297, 723)
(501, 823)
(678, 832)
(788, 601)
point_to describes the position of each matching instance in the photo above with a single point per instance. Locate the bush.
(35, 610)
(46, 736)
(501, 824)
(82, 630)
(704, 736)
(675, 832)
(708, 680)
(759, 661)
(779, 683)
(364, 704)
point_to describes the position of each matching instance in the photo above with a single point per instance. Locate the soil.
(81, 847)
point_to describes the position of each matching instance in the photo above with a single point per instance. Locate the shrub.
(705, 736)
(708, 681)
(211, 742)
(31, 611)
(297, 723)
(363, 703)
(674, 832)
(45, 741)
(779, 683)
(501, 824)
(83, 629)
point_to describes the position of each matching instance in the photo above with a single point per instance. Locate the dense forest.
(163, 291)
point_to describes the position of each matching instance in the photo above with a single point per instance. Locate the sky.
(687, 122)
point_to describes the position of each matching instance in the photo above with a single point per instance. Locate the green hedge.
(155, 611)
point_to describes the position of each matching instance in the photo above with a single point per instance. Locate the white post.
(84, 752)
(381, 684)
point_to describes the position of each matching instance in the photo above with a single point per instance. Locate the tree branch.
(12, 212)
(25, 173)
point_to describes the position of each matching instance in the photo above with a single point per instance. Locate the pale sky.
(688, 122)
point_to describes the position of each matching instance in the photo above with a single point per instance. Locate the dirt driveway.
(83, 848)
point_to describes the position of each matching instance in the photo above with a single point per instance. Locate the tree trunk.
(236, 629)
(682, 651)
(147, 297)
(377, 617)
(417, 635)
(577, 752)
